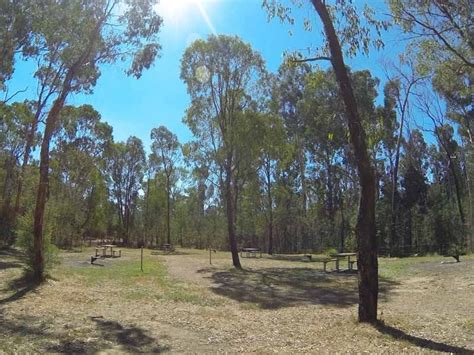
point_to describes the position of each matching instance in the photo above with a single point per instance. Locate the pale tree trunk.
(24, 165)
(42, 100)
(403, 107)
(43, 186)
(270, 206)
(394, 209)
(230, 212)
(168, 211)
(365, 230)
(42, 193)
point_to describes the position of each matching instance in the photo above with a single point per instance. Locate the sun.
(177, 11)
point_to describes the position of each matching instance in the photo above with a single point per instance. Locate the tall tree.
(287, 94)
(165, 148)
(15, 36)
(14, 123)
(441, 27)
(126, 165)
(273, 152)
(81, 36)
(365, 229)
(221, 75)
(355, 35)
(400, 87)
(78, 186)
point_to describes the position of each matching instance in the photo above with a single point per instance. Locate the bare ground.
(271, 306)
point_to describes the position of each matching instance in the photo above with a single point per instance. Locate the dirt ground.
(183, 304)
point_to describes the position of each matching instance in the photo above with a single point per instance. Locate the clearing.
(183, 304)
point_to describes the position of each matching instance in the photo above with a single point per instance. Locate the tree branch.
(312, 59)
(8, 98)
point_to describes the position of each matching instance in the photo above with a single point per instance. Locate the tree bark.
(365, 230)
(453, 171)
(394, 209)
(270, 208)
(168, 216)
(29, 145)
(343, 226)
(51, 123)
(42, 193)
(230, 212)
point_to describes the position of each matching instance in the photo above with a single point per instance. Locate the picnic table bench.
(325, 261)
(250, 252)
(350, 263)
(101, 251)
(167, 247)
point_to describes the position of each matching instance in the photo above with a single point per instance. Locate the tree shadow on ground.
(9, 265)
(133, 339)
(284, 257)
(13, 259)
(20, 286)
(12, 253)
(22, 325)
(168, 253)
(73, 346)
(272, 288)
(420, 342)
(20, 293)
(45, 335)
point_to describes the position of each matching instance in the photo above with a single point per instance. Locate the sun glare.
(179, 12)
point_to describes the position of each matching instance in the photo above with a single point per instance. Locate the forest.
(315, 157)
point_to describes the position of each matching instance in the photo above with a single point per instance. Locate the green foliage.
(330, 251)
(25, 242)
(279, 141)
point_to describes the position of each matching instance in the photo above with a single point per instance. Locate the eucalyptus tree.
(400, 89)
(78, 184)
(355, 32)
(442, 28)
(287, 96)
(80, 36)
(15, 36)
(274, 152)
(325, 135)
(14, 120)
(414, 165)
(125, 169)
(441, 40)
(165, 156)
(430, 105)
(222, 75)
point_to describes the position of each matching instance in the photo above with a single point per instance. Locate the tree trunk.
(168, 216)
(365, 229)
(343, 226)
(270, 207)
(42, 193)
(230, 212)
(394, 209)
(452, 167)
(26, 157)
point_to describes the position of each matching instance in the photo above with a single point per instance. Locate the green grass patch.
(126, 278)
(397, 267)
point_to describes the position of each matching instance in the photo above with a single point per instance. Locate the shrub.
(330, 251)
(25, 242)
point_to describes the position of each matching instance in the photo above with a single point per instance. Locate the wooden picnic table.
(108, 246)
(343, 256)
(250, 251)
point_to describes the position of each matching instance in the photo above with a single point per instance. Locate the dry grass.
(183, 304)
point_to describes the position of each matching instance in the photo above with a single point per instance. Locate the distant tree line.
(271, 163)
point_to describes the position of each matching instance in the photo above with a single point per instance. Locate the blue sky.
(159, 97)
